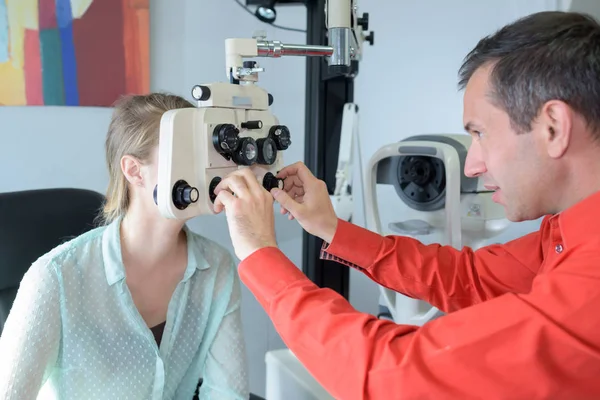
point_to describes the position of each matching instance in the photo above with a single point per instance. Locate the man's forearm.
(448, 278)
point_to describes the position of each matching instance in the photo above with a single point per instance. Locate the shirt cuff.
(353, 246)
(267, 272)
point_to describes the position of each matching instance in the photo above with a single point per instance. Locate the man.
(524, 317)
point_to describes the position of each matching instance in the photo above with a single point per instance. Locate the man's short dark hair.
(544, 56)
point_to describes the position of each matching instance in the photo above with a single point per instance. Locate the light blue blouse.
(75, 333)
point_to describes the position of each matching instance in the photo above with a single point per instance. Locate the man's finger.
(292, 181)
(233, 183)
(295, 192)
(286, 201)
(223, 199)
(250, 180)
(288, 170)
(284, 211)
(298, 169)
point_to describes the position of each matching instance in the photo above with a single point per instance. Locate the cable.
(274, 25)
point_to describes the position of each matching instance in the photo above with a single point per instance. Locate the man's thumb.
(285, 200)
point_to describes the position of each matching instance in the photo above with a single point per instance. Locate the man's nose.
(474, 165)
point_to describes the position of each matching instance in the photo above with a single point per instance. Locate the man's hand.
(249, 212)
(307, 200)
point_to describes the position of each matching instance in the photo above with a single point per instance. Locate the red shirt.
(523, 322)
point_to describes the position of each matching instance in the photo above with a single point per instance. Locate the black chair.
(33, 222)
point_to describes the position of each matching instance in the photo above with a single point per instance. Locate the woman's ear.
(132, 169)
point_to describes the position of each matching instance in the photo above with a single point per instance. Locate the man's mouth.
(491, 188)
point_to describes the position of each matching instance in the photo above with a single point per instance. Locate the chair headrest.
(33, 222)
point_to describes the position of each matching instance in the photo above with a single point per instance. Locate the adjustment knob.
(370, 38)
(337, 70)
(201, 93)
(267, 150)
(364, 21)
(246, 153)
(225, 138)
(211, 188)
(252, 125)
(184, 194)
(281, 136)
(270, 181)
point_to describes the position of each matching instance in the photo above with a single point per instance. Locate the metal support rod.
(274, 48)
(326, 96)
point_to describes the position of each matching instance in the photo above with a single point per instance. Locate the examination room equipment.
(421, 181)
(232, 126)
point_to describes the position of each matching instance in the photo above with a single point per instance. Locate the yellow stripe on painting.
(79, 7)
(21, 14)
(12, 82)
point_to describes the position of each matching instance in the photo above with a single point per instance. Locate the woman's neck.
(149, 240)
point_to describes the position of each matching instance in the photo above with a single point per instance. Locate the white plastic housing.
(186, 150)
(468, 219)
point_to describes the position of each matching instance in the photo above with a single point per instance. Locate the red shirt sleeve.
(543, 344)
(447, 278)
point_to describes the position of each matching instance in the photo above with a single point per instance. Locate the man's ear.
(556, 122)
(132, 169)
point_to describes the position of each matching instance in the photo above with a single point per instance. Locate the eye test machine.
(232, 126)
(421, 180)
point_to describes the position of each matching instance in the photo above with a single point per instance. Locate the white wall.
(591, 7)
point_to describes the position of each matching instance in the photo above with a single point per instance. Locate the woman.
(139, 308)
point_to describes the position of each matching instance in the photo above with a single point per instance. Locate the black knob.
(281, 136)
(246, 153)
(249, 64)
(211, 188)
(270, 181)
(270, 99)
(370, 38)
(226, 139)
(252, 125)
(364, 21)
(184, 194)
(201, 93)
(337, 70)
(267, 150)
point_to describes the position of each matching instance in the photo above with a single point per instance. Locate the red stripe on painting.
(137, 48)
(33, 69)
(47, 14)
(130, 43)
(98, 38)
(143, 15)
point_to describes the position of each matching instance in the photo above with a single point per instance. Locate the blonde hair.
(133, 130)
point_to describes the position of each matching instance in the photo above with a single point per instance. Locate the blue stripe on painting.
(64, 16)
(4, 54)
(69, 62)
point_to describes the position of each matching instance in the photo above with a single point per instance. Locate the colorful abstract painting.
(73, 52)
